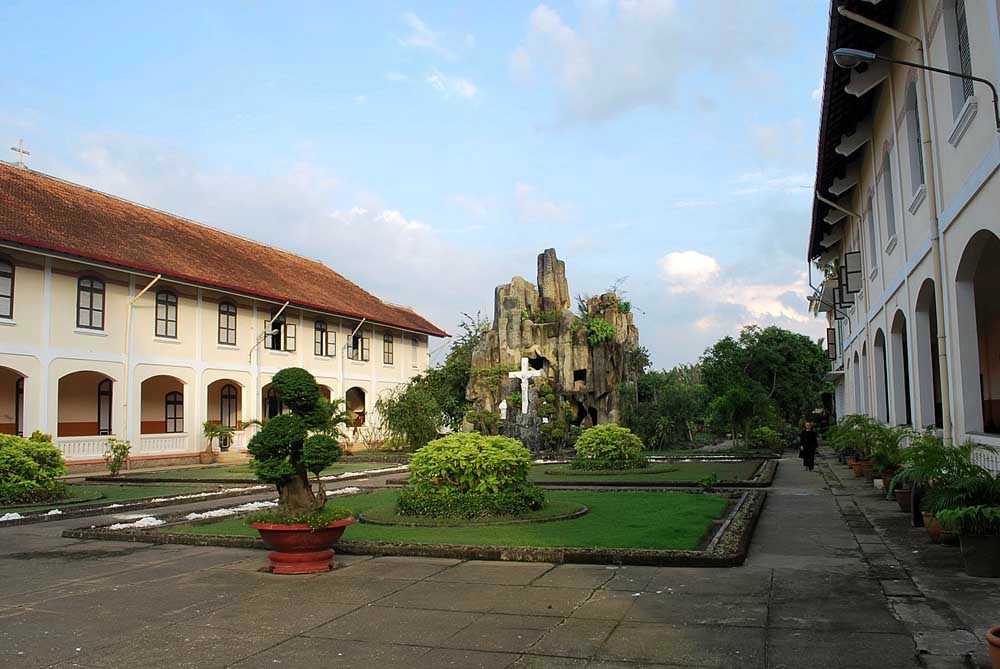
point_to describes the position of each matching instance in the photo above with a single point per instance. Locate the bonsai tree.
(608, 446)
(291, 446)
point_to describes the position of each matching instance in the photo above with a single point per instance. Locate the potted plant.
(993, 639)
(979, 530)
(213, 431)
(290, 447)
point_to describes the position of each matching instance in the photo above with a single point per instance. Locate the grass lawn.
(657, 520)
(691, 453)
(238, 472)
(85, 493)
(664, 472)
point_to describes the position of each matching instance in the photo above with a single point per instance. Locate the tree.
(291, 446)
(667, 405)
(763, 375)
(431, 401)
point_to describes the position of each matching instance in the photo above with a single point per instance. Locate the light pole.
(851, 58)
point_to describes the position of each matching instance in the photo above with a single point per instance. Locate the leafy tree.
(666, 406)
(431, 401)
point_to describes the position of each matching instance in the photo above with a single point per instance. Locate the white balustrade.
(155, 444)
(83, 448)
(242, 437)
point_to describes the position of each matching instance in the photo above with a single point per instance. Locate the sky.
(429, 151)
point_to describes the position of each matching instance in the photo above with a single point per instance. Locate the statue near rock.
(538, 342)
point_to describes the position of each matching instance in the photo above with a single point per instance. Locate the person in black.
(808, 445)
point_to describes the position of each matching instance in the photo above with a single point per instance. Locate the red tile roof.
(46, 213)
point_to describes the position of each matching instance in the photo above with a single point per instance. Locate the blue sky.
(429, 151)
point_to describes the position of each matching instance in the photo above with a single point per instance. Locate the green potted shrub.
(287, 449)
(979, 530)
(608, 446)
(470, 475)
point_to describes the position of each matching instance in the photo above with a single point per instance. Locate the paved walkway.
(806, 598)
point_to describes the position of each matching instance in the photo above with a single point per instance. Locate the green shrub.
(116, 453)
(599, 331)
(980, 520)
(470, 475)
(29, 471)
(448, 503)
(608, 446)
(766, 438)
(316, 520)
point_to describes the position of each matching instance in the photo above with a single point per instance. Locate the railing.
(155, 444)
(83, 448)
(987, 460)
(242, 437)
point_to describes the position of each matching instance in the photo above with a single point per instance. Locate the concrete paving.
(806, 597)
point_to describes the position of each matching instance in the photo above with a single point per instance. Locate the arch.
(978, 310)
(326, 392)
(900, 370)
(6, 287)
(271, 404)
(161, 405)
(926, 356)
(880, 376)
(865, 373)
(11, 401)
(857, 384)
(355, 404)
(85, 404)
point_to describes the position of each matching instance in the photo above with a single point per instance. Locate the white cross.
(21, 153)
(525, 375)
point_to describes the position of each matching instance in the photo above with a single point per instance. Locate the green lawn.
(691, 453)
(243, 472)
(83, 494)
(664, 473)
(657, 520)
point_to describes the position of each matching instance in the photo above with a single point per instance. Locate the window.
(325, 342)
(387, 353)
(19, 407)
(959, 55)
(174, 411)
(916, 149)
(279, 335)
(413, 351)
(90, 303)
(166, 314)
(872, 240)
(227, 323)
(6, 289)
(887, 197)
(104, 397)
(359, 348)
(275, 407)
(228, 405)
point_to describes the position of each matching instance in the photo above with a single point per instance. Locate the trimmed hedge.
(29, 471)
(608, 446)
(468, 475)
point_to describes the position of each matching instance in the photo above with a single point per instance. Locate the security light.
(851, 58)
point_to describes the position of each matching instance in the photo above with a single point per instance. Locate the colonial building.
(120, 320)
(907, 215)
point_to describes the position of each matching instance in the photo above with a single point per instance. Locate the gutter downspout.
(936, 250)
(128, 348)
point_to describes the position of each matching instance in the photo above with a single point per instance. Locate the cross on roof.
(21, 151)
(525, 375)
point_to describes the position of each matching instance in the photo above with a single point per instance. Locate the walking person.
(808, 445)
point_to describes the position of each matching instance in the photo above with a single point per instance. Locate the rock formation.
(583, 360)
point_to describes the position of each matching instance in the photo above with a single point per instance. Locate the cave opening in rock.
(536, 362)
(579, 375)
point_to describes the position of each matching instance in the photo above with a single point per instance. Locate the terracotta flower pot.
(936, 531)
(981, 555)
(858, 471)
(903, 498)
(298, 549)
(993, 639)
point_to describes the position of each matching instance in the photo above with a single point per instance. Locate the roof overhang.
(841, 112)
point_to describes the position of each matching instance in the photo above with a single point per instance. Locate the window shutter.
(289, 332)
(964, 53)
(331, 344)
(267, 334)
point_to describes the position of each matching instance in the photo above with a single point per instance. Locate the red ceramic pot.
(993, 639)
(299, 549)
(858, 470)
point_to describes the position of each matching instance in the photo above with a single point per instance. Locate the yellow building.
(120, 320)
(906, 223)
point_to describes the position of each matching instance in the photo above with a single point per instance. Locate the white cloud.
(751, 183)
(397, 77)
(421, 36)
(534, 207)
(694, 203)
(360, 99)
(628, 54)
(688, 270)
(451, 87)
(476, 207)
(781, 142)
